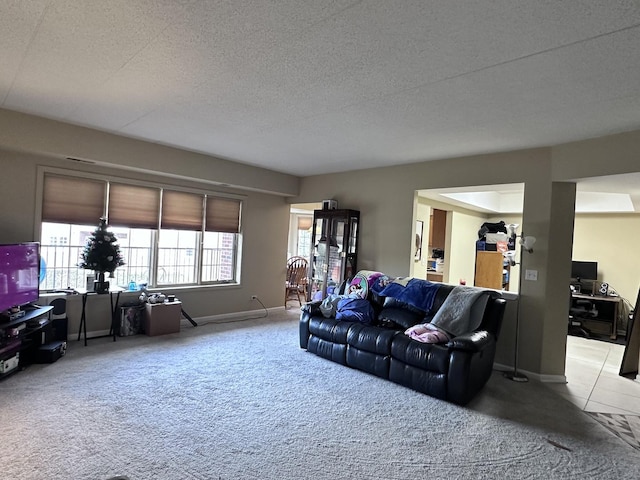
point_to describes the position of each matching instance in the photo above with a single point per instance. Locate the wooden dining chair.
(296, 280)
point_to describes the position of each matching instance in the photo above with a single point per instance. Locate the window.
(166, 237)
(304, 236)
(218, 256)
(177, 259)
(136, 248)
(61, 257)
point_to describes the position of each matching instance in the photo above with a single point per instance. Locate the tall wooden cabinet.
(334, 255)
(491, 271)
(437, 229)
(437, 234)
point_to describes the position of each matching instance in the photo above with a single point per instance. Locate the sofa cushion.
(328, 338)
(329, 329)
(414, 291)
(355, 310)
(426, 381)
(399, 318)
(390, 302)
(371, 339)
(426, 356)
(336, 352)
(369, 349)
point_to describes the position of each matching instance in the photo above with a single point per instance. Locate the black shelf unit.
(28, 339)
(30, 314)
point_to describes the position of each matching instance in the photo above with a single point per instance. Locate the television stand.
(11, 316)
(21, 337)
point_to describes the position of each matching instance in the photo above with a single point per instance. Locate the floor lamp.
(526, 244)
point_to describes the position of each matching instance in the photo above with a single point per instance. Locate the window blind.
(223, 215)
(73, 200)
(181, 210)
(133, 206)
(81, 201)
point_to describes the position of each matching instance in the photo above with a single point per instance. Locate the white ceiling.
(614, 194)
(611, 194)
(317, 86)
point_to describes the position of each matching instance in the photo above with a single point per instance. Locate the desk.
(114, 311)
(607, 307)
(434, 276)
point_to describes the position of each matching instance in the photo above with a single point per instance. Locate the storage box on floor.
(131, 319)
(162, 318)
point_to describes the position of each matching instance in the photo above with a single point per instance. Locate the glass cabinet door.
(353, 235)
(318, 263)
(336, 254)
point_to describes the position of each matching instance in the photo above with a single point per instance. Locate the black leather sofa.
(455, 371)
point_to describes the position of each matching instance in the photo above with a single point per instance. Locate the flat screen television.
(584, 270)
(19, 274)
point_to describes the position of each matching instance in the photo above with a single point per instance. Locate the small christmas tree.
(101, 254)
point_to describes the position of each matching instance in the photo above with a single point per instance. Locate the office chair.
(582, 310)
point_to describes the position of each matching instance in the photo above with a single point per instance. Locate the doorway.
(300, 225)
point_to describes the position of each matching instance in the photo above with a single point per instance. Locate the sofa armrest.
(311, 308)
(472, 341)
(308, 311)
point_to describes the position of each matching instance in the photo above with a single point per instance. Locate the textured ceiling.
(611, 194)
(318, 86)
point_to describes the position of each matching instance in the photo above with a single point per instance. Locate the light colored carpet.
(243, 401)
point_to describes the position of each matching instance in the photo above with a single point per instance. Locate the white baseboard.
(230, 317)
(184, 322)
(540, 377)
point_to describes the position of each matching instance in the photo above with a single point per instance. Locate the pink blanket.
(427, 333)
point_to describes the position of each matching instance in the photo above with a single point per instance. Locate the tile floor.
(593, 383)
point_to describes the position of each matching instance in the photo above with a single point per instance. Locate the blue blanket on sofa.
(414, 291)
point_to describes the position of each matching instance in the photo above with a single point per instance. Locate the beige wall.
(265, 223)
(27, 142)
(607, 238)
(608, 155)
(385, 198)
(27, 133)
(464, 233)
(611, 240)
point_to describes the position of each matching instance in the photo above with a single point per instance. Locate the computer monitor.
(581, 270)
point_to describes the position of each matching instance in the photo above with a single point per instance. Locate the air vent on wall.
(81, 161)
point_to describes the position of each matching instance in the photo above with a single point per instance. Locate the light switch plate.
(531, 275)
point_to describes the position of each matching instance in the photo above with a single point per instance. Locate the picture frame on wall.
(419, 231)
